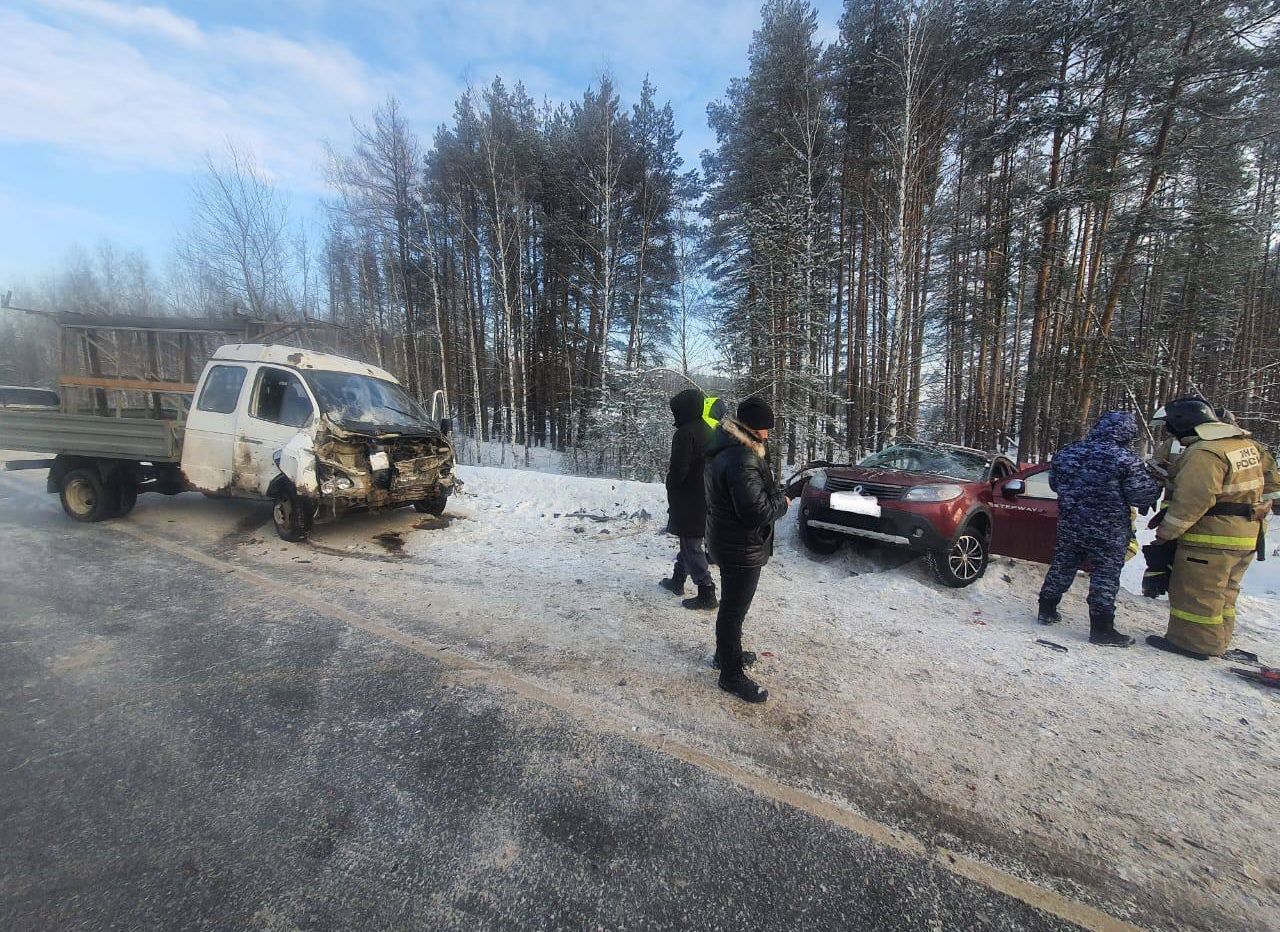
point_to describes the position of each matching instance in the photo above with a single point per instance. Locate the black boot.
(748, 658)
(705, 599)
(1163, 643)
(1102, 631)
(675, 583)
(1049, 611)
(744, 687)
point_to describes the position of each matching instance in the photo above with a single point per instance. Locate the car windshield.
(940, 461)
(362, 402)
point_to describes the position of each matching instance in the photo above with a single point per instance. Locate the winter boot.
(748, 658)
(1049, 611)
(1102, 631)
(1163, 643)
(744, 687)
(705, 599)
(676, 583)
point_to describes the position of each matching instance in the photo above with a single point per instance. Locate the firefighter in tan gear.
(1223, 486)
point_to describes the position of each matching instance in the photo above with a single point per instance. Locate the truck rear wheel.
(86, 497)
(292, 516)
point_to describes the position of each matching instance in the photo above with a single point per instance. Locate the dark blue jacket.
(1099, 479)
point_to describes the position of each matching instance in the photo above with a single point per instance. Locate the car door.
(1024, 516)
(210, 429)
(279, 406)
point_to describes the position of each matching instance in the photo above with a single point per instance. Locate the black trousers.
(737, 589)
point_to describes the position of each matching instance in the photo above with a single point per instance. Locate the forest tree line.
(975, 222)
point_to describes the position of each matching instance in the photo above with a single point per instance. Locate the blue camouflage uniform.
(1098, 480)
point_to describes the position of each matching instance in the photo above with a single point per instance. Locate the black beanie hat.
(756, 413)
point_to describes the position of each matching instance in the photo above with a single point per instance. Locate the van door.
(207, 438)
(280, 405)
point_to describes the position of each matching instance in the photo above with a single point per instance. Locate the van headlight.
(339, 483)
(819, 479)
(942, 492)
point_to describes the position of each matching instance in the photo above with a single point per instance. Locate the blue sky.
(108, 108)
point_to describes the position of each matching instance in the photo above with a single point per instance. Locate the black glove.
(1156, 519)
(1159, 556)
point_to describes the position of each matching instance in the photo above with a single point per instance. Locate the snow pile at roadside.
(473, 452)
(539, 495)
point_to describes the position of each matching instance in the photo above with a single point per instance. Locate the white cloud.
(140, 87)
(152, 20)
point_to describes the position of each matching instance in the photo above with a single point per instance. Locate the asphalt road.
(181, 750)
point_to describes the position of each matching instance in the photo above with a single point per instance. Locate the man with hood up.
(743, 502)
(686, 499)
(1098, 480)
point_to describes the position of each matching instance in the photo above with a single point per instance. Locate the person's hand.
(788, 500)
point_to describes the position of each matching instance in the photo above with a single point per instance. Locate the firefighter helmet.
(1183, 415)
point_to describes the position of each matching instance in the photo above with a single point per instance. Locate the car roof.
(938, 445)
(298, 358)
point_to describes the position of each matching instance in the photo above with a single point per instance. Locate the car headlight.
(819, 479)
(943, 492)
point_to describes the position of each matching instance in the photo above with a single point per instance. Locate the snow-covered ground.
(1136, 778)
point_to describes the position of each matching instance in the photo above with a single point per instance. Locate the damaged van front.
(368, 445)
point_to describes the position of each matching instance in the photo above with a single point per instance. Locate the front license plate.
(855, 504)
(379, 460)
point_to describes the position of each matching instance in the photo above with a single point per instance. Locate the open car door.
(1024, 516)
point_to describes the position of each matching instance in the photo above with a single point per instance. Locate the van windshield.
(938, 461)
(361, 402)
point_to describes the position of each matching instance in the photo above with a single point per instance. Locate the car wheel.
(292, 516)
(85, 497)
(431, 506)
(822, 542)
(963, 562)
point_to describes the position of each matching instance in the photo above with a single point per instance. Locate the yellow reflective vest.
(1225, 466)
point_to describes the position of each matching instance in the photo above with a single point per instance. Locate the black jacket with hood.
(686, 496)
(743, 500)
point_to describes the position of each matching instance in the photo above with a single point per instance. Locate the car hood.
(896, 477)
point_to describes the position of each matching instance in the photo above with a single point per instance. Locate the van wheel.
(821, 542)
(963, 562)
(128, 495)
(85, 497)
(292, 516)
(431, 506)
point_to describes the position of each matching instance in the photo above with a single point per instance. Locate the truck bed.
(126, 438)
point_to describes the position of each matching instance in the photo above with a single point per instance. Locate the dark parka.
(686, 495)
(743, 500)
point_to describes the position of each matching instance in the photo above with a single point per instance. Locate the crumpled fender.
(297, 462)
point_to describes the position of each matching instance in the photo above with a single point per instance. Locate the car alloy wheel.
(966, 558)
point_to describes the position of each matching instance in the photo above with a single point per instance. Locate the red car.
(955, 505)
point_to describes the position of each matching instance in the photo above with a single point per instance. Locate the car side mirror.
(446, 426)
(1013, 488)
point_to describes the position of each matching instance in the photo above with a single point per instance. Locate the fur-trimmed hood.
(733, 432)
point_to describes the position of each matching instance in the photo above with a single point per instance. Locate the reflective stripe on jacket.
(1217, 471)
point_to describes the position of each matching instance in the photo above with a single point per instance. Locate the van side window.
(281, 399)
(221, 389)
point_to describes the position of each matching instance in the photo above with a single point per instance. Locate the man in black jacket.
(743, 502)
(686, 499)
